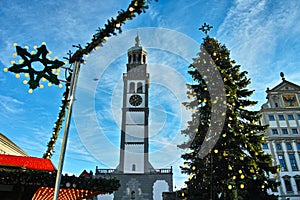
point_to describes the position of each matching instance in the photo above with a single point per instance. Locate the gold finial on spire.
(137, 39)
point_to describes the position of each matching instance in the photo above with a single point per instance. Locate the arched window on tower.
(139, 58)
(129, 59)
(134, 57)
(133, 167)
(144, 59)
(139, 87)
(131, 87)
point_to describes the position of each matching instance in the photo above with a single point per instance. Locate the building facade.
(282, 113)
(9, 147)
(136, 174)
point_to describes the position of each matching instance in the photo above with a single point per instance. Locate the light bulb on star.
(15, 44)
(18, 76)
(49, 84)
(5, 69)
(25, 82)
(30, 91)
(41, 86)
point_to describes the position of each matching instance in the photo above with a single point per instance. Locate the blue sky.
(262, 35)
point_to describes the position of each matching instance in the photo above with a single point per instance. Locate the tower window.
(139, 58)
(133, 167)
(129, 59)
(139, 87)
(134, 57)
(131, 87)
(144, 59)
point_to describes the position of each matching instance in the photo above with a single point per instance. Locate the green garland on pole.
(113, 25)
(136, 6)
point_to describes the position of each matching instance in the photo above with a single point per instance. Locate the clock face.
(135, 100)
(290, 100)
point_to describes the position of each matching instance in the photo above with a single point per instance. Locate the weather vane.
(205, 28)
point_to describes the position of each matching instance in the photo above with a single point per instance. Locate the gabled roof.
(26, 162)
(284, 84)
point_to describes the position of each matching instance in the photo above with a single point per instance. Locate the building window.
(265, 146)
(282, 163)
(297, 180)
(290, 117)
(284, 131)
(280, 117)
(288, 185)
(294, 131)
(139, 87)
(131, 87)
(271, 118)
(274, 131)
(278, 147)
(293, 162)
(133, 167)
(289, 146)
(298, 117)
(298, 146)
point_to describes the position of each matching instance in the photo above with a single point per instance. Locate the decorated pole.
(71, 98)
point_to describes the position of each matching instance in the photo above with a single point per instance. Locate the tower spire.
(137, 40)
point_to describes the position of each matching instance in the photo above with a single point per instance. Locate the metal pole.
(71, 98)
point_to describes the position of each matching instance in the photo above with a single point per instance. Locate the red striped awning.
(46, 193)
(26, 162)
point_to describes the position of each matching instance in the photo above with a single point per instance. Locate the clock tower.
(136, 175)
(135, 113)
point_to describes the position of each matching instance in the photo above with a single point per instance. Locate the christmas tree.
(224, 157)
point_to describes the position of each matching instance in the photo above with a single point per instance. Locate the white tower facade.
(134, 144)
(136, 175)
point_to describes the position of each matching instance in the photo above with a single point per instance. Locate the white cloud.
(10, 105)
